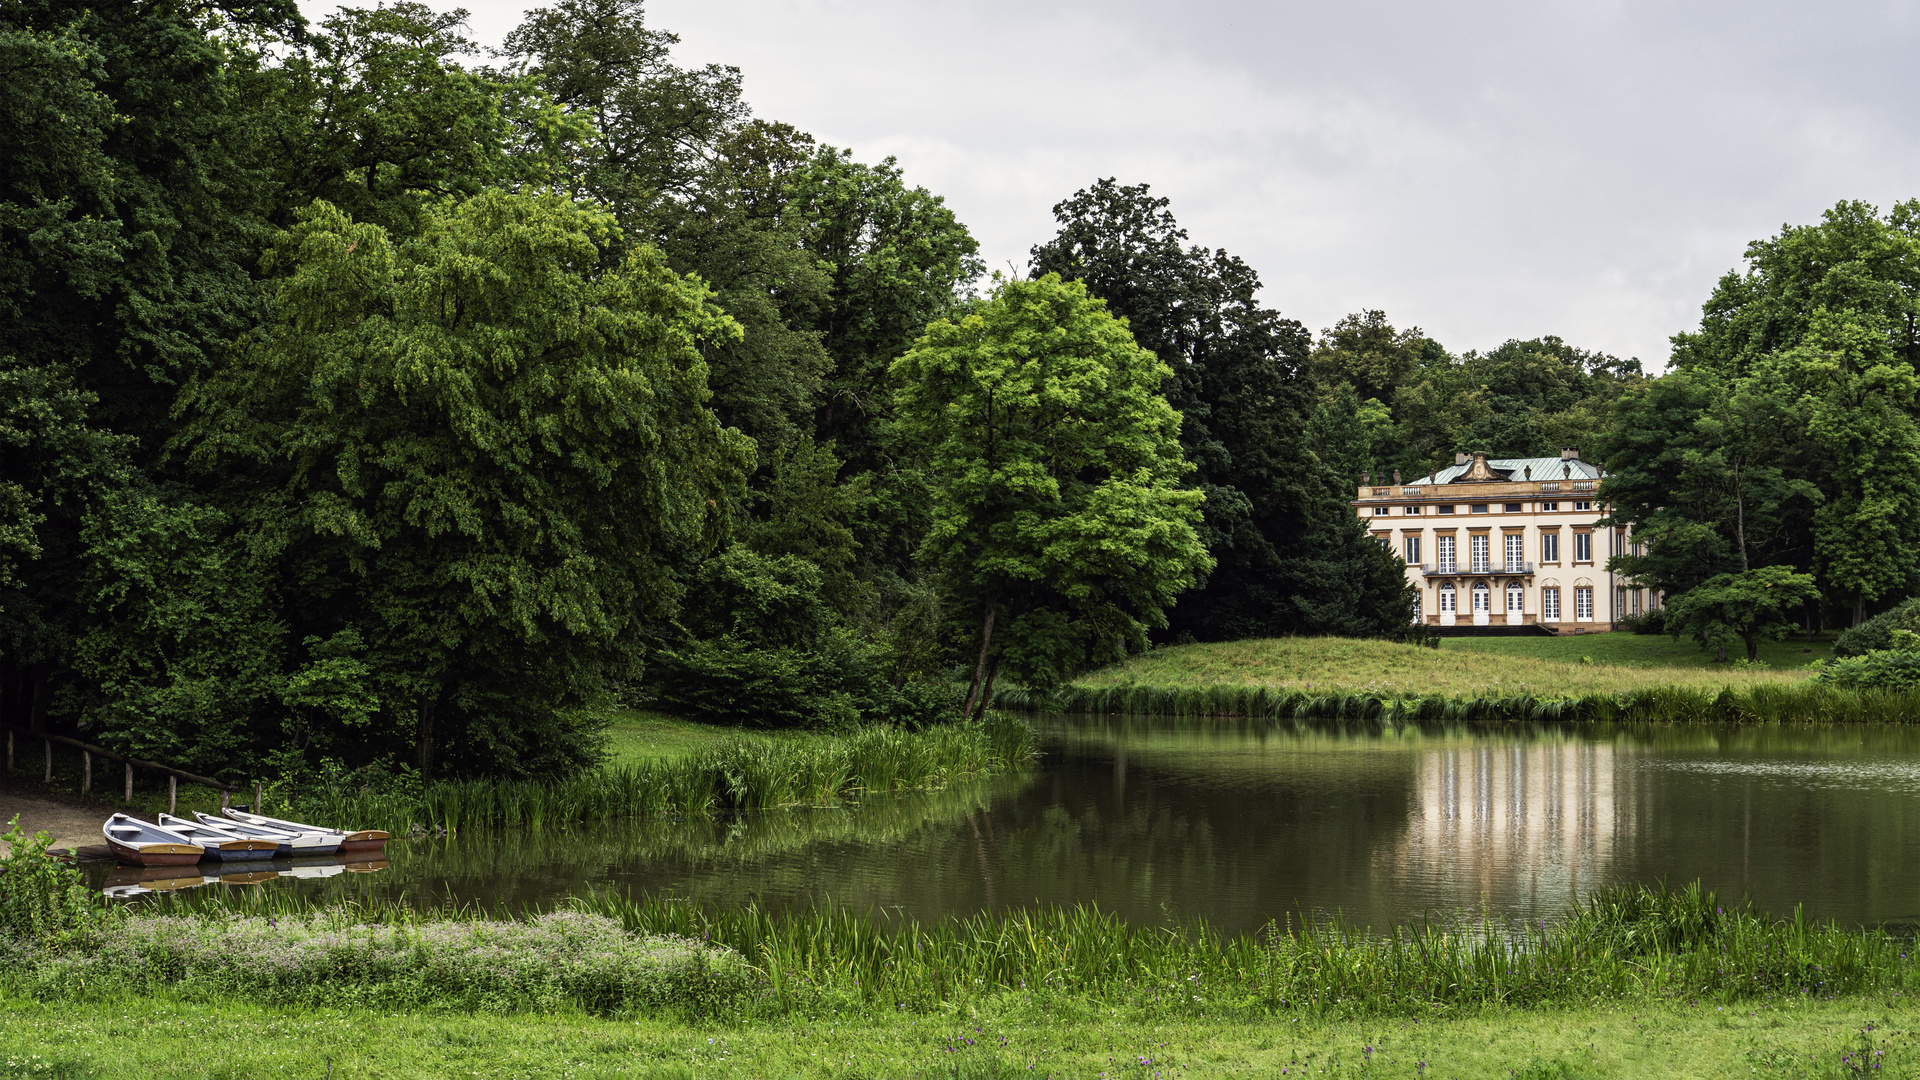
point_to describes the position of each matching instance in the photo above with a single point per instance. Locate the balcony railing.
(1447, 569)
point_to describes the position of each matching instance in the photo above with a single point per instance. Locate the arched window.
(1448, 599)
(1516, 598)
(1482, 597)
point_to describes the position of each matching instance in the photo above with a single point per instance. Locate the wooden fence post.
(86, 771)
(173, 794)
(129, 783)
(9, 751)
(48, 745)
(259, 793)
(225, 794)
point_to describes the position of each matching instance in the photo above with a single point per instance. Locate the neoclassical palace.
(1506, 541)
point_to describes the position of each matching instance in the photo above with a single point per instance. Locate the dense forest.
(369, 395)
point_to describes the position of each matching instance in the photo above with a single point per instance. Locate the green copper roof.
(1544, 468)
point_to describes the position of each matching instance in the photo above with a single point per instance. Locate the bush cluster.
(1894, 667)
(1877, 633)
(41, 898)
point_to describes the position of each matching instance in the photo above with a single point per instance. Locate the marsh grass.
(1624, 943)
(740, 775)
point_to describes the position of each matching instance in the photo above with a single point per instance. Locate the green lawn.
(1642, 650)
(1460, 667)
(163, 1038)
(639, 735)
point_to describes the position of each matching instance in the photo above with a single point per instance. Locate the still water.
(1159, 820)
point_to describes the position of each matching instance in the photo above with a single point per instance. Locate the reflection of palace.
(1512, 824)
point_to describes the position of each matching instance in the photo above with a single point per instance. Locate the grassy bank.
(740, 774)
(1334, 678)
(195, 1037)
(1388, 669)
(1621, 649)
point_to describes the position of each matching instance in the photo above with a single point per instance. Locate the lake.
(1159, 820)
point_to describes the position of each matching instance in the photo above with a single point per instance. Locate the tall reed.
(1807, 702)
(1623, 942)
(737, 776)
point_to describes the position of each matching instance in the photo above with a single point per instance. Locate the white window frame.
(1515, 552)
(1411, 545)
(1583, 603)
(1447, 553)
(1482, 598)
(1479, 560)
(1516, 599)
(1549, 547)
(1449, 599)
(1550, 603)
(1582, 547)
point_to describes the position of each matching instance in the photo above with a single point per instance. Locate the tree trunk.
(1859, 608)
(986, 692)
(426, 736)
(980, 667)
(1720, 654)
(1753, 647)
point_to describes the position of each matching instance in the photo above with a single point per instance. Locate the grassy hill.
(1462, 667)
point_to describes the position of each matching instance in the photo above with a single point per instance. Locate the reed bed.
(1624, 943)
(742, 775)
(1803, 702)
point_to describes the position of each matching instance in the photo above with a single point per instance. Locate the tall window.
(1478, 545)
(1582, 547)
(1446, 556)
(1482, 597)
(1448, 599)
(1550, 604)
(1583, 604)
(1516, 598)
(1413, 550)
(1516, 552)
(1549, 547)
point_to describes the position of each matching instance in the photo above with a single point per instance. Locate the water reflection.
(1242, 823)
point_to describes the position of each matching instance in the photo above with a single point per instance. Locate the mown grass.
(639, 736)
(1389, 669)
(169, 1036)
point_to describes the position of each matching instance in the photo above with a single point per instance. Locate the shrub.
(1877, 632)
(41, 898)
(1896, 667)
(1652, 621)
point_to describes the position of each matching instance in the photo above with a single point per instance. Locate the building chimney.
(1460, 459)
(1568, 453)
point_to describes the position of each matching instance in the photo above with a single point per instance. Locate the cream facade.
(1507, 542)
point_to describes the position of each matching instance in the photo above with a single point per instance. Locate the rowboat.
(138, 843)
(220, 844)
(291, 843)
(362, 840)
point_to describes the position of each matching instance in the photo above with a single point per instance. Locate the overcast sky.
(1483, 171)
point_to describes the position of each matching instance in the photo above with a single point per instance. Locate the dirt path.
(74, 822)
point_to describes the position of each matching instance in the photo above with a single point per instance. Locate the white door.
(1516, 604)
(1482, 604)
(1447, 605)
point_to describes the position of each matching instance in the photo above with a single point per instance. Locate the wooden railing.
(88, 752)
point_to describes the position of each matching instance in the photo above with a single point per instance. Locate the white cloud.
(1485, 171)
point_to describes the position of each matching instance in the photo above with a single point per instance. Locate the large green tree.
(480, 455)
(1290, 556)
(1057, 475)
